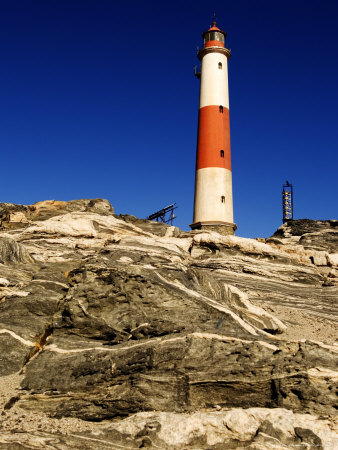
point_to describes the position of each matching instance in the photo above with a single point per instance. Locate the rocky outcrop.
(111, 318)
(12, 252)
(253, 428)
(301, 227)
(318, 235)
(17, 216)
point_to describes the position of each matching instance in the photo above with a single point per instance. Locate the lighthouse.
(213, 206)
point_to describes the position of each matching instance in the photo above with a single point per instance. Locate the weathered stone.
(301, 227)
(12, 252)
(112, 316)
(234, 429)
(327, 240)
(156, 228)
(333, 259)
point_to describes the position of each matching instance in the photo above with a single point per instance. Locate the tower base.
(224, 228)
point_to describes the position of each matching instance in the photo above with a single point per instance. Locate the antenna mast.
(287, 201)
(214, 19)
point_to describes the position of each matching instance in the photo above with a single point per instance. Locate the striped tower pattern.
(213, 208)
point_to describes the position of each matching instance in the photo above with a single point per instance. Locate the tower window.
(220, 108)
(223, 199)
(222, 153)
(220, 65)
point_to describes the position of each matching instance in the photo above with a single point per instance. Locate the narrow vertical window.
(223, 199)
(220, 65)
(222, 153)
(220, 108)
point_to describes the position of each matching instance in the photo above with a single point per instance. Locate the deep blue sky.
(98, 99)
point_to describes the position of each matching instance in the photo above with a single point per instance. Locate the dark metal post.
(165, 215)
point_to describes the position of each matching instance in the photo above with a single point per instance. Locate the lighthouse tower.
(213, 208)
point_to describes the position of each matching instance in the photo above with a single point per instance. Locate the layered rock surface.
(113, 327)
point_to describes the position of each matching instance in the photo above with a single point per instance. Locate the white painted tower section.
(214, 82)
(211, 184)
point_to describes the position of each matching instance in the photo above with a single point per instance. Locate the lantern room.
(214, 37)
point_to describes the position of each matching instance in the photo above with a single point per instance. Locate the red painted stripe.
(213, 136)
(214, 44)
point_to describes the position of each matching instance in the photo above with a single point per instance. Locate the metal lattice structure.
(165, 215)
(287, 200)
